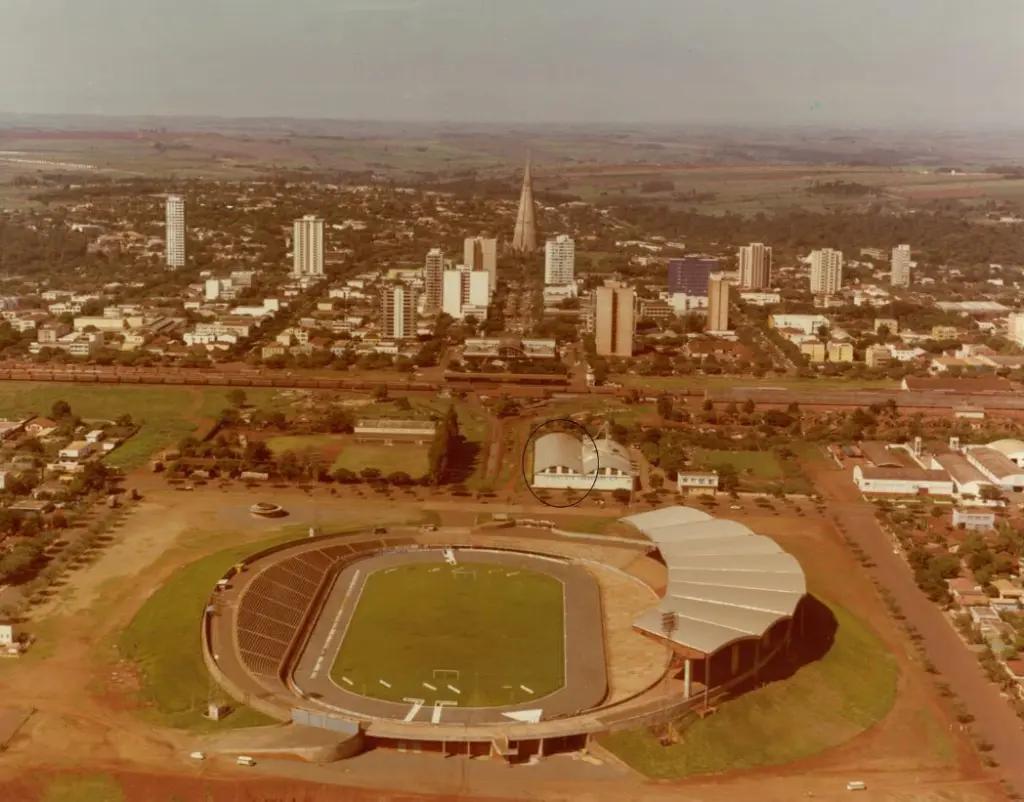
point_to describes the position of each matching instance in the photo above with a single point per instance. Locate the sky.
(866, 63)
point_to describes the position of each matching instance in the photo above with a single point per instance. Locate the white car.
(197, 755)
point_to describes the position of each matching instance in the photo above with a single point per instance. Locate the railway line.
(527, 385)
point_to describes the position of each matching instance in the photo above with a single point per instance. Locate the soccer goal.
(446, 675)
(466, 573)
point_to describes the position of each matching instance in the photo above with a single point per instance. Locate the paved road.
(994, 721)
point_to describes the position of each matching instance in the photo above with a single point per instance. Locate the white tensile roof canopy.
(725, 583)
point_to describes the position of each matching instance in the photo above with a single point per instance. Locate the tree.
(665, 405)
(621, 495)
(60, 410)
(380, 393)
(236, 397)
(446, 438)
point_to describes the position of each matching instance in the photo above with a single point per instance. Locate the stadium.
(512, 639)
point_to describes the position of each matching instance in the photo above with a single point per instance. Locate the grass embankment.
(499, 629)
(165, 414)
(822, 705)
(163, 638)
(163, 641)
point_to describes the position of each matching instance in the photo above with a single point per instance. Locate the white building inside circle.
(562, 461)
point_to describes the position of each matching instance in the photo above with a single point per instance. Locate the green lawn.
(763, 465)
(166, 414)
(323, 444)
(823, 704)
(412, 459)
(84, 788)
(499, 628)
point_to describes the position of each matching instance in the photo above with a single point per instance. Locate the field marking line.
(417, 705)
(334, 626)
(430, 687)
(453, 689)
(528, 690)
(384, 682)
(435, 716)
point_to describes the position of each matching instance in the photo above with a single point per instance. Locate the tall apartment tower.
(755, 266)
(900, 266)
(398, 311)
(308, 247)
(524, 238)
(481, 253)
(465, 292)
(826, 271)
(614, 319)
(560, 260)
(718, 303)
(175, 234)
(433, 268)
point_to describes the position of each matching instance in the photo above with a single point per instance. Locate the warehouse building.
(562, 461)
(902, 481)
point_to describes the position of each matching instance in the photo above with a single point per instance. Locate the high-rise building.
(433, 268)
(826, 271)
(718, 303)
(398, 311)
(690, 274)
(755, 266)
(560, 260)
(900, 266)
(481, 253)
(524, 238)
(174, 244)
(465, 292)
(613, 319)
(308, 247)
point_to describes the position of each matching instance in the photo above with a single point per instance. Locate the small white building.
(7, 634)
(974, 519)
(696, 480)
(562, 461)
(76, 450)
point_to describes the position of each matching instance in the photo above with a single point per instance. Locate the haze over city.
(793, 62)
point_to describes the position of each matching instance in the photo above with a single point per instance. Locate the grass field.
(822, 705)
(498, 628)
(166, 414)
(412, 459)
(84, 788)
(762, 465)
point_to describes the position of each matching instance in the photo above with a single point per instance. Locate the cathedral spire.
(524, 240)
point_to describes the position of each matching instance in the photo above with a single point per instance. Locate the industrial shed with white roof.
(727, 587)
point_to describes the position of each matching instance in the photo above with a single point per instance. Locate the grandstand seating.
(276, 600)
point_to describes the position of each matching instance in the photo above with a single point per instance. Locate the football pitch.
(477, 634)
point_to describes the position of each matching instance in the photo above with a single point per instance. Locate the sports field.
(406, 457)
(479, 627)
